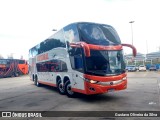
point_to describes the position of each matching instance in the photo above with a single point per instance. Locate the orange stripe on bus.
(101, 47)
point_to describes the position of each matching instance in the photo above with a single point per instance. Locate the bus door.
(78, 67)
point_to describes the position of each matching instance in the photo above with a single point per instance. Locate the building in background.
(149, 59)
(138, 60)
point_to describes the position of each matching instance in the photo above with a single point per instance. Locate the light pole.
(132, 30)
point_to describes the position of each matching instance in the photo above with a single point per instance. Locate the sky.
(25, 23)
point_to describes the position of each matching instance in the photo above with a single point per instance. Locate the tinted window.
(52, 66)
(21, 62)
(98, 34)
(71, 33)
(105, 62)
(76, 59)
(33, 52)
(56, 40)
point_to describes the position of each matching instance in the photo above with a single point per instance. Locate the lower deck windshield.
(105, 63)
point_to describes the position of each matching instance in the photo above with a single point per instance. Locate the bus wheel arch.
(66, 78)
(60, 86)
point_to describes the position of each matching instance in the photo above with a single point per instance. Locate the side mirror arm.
(82, 45)
(134, 51)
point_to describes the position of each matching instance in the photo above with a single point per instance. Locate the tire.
(68, 90)
(60, 87)
(16, 74)
(36, 82)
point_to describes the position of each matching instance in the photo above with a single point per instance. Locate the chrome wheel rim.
(69, 90)
(61, 88)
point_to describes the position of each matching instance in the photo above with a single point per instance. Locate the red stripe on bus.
(79, 90)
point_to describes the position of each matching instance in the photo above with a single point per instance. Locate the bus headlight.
(124, 78)
(91, 81)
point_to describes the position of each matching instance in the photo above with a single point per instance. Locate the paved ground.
(20, 94)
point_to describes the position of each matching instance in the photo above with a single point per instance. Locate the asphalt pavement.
(142, 94)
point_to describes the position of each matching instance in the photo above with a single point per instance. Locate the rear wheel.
(36, 82)
(16, 74)
(68, 89)
(60, 87)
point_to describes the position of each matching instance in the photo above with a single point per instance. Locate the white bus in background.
(82, 57)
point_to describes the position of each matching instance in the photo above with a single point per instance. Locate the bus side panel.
(7, 71)
(77, 80)
(23, 68)
(32, 67)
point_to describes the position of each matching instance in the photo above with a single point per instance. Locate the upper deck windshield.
(105, 63)
(98, 34)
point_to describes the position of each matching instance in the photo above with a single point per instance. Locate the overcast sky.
(25, 23)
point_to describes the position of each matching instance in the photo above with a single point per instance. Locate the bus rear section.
(13, 67)
(92, 57)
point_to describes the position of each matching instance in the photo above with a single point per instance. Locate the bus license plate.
(111, 90)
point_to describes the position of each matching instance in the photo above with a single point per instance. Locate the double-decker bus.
(82, 57)
(13, 67)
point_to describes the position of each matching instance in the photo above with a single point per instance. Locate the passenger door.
(78, 67)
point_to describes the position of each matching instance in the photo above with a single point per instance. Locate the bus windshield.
(98, 34)
(105, 63)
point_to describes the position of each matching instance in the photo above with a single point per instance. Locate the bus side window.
(76, 59)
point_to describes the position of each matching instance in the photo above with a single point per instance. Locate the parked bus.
(13, 67)
(82, 57)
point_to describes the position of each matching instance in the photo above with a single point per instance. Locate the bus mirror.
(84, 46)
(134, 51)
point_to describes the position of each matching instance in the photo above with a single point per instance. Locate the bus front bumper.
(103, 87)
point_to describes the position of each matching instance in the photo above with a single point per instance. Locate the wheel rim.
(61, 89)
(69, 90)
(37, 83)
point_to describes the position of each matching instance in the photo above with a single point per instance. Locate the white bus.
(82, 57)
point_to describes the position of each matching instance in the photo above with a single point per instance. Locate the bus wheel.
(60, 87)
(68, 89)
(16, 74)
(36, 82)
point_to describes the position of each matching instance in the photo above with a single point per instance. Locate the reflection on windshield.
(98, 34)
(105, 62)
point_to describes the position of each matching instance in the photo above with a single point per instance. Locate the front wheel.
(68, 89)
